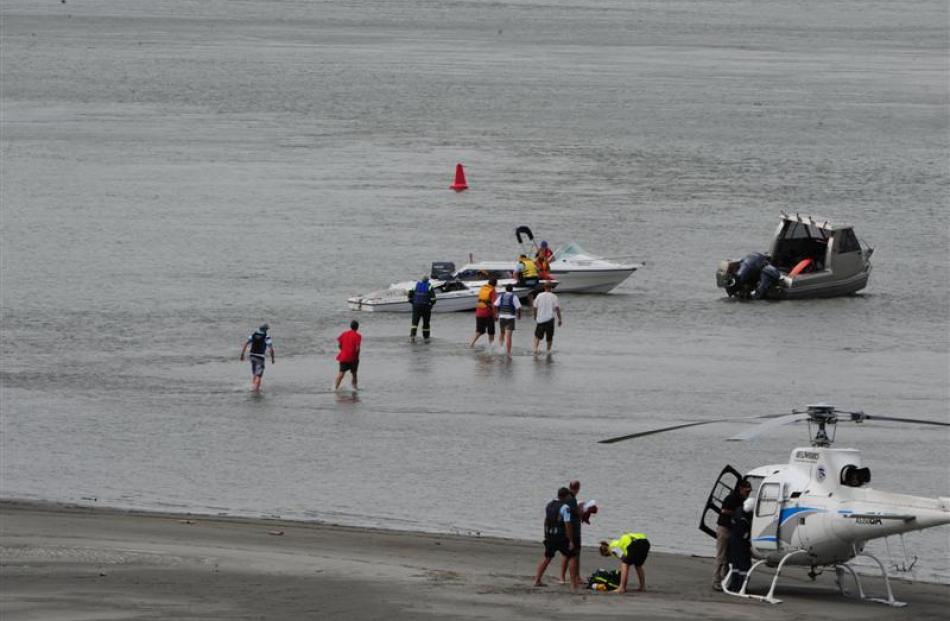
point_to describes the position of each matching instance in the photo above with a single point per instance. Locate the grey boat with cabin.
(808, 258)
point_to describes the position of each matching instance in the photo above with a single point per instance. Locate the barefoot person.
(558, 536)
(349, 356)
(572, 503)
(546, 307)
(631, 549)
(509, 308)
(485, 312)
(260, 344)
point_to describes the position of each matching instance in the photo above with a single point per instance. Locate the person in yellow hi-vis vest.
(631, 549)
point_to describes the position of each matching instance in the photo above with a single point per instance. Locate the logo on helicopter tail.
(820, 473)
(806, 455)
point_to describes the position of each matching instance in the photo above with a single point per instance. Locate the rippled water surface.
(174, 173)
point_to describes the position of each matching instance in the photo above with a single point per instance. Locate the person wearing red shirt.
(349, 356)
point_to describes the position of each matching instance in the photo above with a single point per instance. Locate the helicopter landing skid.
(770, 597)
(841, 569)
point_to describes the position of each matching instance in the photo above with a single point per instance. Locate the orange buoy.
(460, 183)
(798, 269)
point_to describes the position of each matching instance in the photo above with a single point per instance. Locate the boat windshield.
(573, 249)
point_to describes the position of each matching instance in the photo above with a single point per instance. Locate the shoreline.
(68, 561)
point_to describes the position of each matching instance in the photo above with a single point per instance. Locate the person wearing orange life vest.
(543, 260)
(631, 549)
(485, 312)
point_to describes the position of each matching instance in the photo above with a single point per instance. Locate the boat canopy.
(818, 223)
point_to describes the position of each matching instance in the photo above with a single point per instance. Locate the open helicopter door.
(727, 481)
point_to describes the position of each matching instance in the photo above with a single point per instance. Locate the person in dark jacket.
(740, 547)
(260, 344)
(558, 536)
(422, 299)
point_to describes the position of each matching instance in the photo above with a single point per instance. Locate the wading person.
(422, 299)
(730, 505)
(558, 536)
(349, 356)
(546, 307)
(485, 312)
(509, 309)
(260, 344)
(631, 549)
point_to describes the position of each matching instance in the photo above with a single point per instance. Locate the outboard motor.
(746, 275)
(442, 270)
(769, 276)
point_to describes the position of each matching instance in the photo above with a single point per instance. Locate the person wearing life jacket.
(259, 344)
(485, 312)
(631, 549)
(543, 260)
(509, 309)
(526, 272)
(558, 536)
(422, 298)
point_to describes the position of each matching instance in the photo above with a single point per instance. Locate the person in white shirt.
(546, 307)
(509, 308)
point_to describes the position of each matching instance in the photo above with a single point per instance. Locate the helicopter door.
(765, 523)
(727, 481)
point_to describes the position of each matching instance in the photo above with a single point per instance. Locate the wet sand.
(78, 563)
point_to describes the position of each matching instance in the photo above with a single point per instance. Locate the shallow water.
(175, 173)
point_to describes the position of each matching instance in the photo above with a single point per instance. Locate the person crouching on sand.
(631, 549)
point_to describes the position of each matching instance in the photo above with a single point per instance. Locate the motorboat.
(452, 294)
(572, 269)
(808, 258)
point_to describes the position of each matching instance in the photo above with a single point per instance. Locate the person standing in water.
(422, 299)
(260, 344)
(546, 307)
(349, 356)
(485, 312)
(509, 308)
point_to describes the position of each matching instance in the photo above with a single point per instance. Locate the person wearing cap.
(260, 343)
(543, 260)
(630, 549)
(422, 298)
(572, 503)
(349, 356)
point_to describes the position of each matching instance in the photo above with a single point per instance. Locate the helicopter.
(816, 510)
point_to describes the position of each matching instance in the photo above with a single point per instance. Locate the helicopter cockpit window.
(852, 476)
(768, 500)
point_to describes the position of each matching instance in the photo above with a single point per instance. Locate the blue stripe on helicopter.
(791, 512)
(764, 539)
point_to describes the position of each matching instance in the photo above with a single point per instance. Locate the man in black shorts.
(631, 549)
(558, 536)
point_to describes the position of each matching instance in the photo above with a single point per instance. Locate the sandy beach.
(79, 563)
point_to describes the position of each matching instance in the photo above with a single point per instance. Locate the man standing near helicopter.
(730, 505)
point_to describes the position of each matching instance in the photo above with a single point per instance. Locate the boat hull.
(580, 280)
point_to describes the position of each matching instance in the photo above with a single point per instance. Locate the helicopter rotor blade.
(767, 426)
(860, 417)
(661, 430)
(650, 432)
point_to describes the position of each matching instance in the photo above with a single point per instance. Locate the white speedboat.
(452, 294)
(573, 269)
(578, 271)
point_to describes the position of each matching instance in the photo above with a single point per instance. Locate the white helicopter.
(817, 510)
